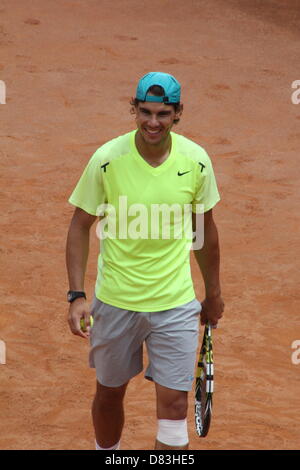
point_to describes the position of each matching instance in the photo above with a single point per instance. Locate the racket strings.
(204, 385)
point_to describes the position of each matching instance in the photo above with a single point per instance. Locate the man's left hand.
(212, 310)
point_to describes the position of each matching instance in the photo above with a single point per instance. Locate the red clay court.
(70, 69)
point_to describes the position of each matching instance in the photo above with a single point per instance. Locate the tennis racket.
(204, 384)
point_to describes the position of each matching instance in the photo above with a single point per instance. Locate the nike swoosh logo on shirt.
(183, 173)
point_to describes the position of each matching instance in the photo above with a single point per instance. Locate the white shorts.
(171, 338)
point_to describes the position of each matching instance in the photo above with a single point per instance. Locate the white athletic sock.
(115, 447)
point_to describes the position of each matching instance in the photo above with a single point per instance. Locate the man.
(144, 291)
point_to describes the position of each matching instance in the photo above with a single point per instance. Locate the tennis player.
(144, 293)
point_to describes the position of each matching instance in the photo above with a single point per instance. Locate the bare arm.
(208, 259)
(77, 251)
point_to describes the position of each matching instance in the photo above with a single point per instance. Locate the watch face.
(73, 295)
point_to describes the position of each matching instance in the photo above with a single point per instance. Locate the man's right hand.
(79, 309)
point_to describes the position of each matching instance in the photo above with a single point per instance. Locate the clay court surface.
(70, 69)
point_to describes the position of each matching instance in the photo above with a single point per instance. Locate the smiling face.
(155, 121)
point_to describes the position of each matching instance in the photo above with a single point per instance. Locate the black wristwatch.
(75, 294)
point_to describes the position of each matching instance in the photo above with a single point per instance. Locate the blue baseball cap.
(169, 83)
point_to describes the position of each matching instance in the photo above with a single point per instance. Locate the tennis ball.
(82, 323)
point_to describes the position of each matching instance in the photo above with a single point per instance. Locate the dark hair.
(156, 90)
